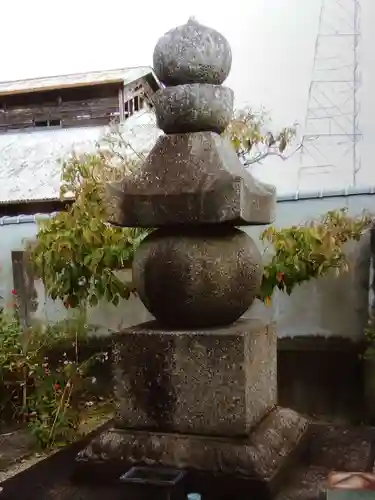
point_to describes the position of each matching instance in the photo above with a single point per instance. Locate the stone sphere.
(199, 277)
(192, 53)
(196, 107)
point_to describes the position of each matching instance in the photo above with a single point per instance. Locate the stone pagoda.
(197, 387)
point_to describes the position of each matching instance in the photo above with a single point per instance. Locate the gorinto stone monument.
(196, 388)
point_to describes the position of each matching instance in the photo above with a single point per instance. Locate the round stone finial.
(195, 107)
(192, 53)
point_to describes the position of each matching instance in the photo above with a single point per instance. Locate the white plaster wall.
(12, 237)
(105, 317)
(330, 307)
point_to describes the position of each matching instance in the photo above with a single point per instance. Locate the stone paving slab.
(350, 495)
(342, 448)
(306, 484)
(338, 448)
(14, 447)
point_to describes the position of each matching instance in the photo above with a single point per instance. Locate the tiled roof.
(126, 75)
(30, 162)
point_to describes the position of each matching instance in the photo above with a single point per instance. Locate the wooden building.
(44, 119)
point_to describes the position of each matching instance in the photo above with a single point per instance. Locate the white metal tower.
(331, 134)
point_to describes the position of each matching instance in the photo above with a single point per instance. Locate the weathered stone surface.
(191, 179)
(193, 108)
(15, 446)
(213, 275)
(213, 381)
(192, 53)
(263, 455)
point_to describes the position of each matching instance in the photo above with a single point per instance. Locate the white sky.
(272, 43)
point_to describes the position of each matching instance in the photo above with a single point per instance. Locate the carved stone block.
(191, 179)
(214, 381)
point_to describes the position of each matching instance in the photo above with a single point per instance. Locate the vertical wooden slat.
(121, 103)
(131, 107)
(23, 282)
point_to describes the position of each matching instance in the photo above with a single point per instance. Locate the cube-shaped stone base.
(214, 381)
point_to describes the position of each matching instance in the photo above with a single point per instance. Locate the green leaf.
(93, 301)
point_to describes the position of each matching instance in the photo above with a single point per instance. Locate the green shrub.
(48, 396)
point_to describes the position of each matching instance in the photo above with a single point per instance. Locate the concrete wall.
(331, 307)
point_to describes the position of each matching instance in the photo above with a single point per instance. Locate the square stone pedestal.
(217, 381)
(202, 400)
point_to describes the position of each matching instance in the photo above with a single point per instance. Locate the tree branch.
(261, 156)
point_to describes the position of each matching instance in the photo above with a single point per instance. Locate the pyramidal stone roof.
(30, 162)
